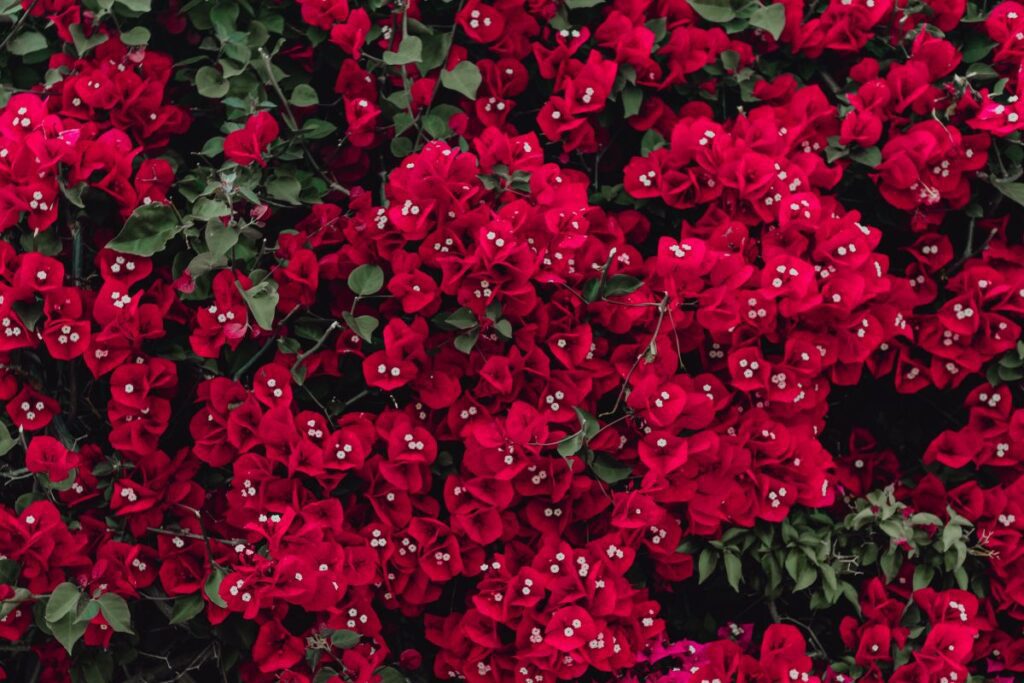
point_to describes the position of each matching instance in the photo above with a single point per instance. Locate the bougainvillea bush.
(669, 341)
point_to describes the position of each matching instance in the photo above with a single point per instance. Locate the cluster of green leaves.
(322, 644)
(1008, 368)
(26, 48)
(577, 445)
(810, 551)
(66, 613)
(469, 327)
(740, 16)
(500, 180)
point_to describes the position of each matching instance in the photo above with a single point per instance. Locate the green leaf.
(925, 518)
(186, 608)
(213, 147)
(870, 156)
(262, 300)
(147, 230)
(99, 669)
(363, 325)
(706, 564)
(571, 444)
(285, 188)
(808, 575)
(206, 208)
(74, 193)
(504, 328)
(324, 675)
(63, 600)
(961, 578)
(467, 340)
(136, 5)
(465, 78)
(344, 638)
(30, 312)
(632, 98)
(220, 238)
(890, 563)
(619, 285)
(88, 611)
(401, 147)
(210, 83)
(923, 576)
(609, 470)
(366, 280)
(771, 18)
(7, 442)
(830, 581)
(136, 36)
(976, 47)
(715, 11)
(462, 319)
(223, 16)
(1008, 374)
(951, 533)
(435, 51)
(409, 52)
(1014, 191)
(115, 611)
(588, 423)
(9, 571)
(85, 43)
(651, 141)
(981, 71)
(391, 675)
(317, 129)
(304, 96)
(212, 587)
(730, 60)
(733, 570)
(26, 43)
(20, 594)
(794, 563)
(68, 631)
(436, 126)
(581, 4)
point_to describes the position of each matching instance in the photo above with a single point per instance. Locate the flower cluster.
(512, 340)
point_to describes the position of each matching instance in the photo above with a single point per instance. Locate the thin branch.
(263, 349)
(294, 125)
(648, 349)
(316, 347)
(196, 537)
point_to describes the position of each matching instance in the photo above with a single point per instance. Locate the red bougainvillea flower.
(248, 144)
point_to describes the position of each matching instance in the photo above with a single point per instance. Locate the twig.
(178, 666)
(316, 347)
(355, 398)
(774, 610)
(648, 349)
(444, 62)
(196, 537)
(606, 425)
(679, 346)
(810, 631)
(833, 86)
(263, 349)
(76, 277)
(294, 125)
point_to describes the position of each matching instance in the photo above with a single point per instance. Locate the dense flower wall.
(654, 341)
